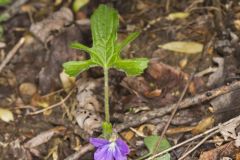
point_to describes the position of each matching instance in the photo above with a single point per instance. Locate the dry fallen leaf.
(67, 82)
(183, 63)
(43, 137)
(177, 15)
(128, 135)
(229, 131)
(237, 141)
(183, 47)
(6, 115)
(41, 101)
(154, 93)
(237, 24)
(203, 125)
(218, 153)
(87, 112)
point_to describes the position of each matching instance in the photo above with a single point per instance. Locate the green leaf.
(73, 68)
(5, 2)
(128, 40)
(151, 141)
(77, 4)
(164, 157)
(95, 57)
(132, 67)
(104, 26)
(105, 51)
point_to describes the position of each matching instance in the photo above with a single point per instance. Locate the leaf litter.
(161, 84)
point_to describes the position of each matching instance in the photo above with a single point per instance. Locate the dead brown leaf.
(87, 112)
(43, 137)
(223, 151)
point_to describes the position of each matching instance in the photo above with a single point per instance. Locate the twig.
(54, 105)
(181, 98)
(199, 144)
(134, 120)
(12, 10)
(173, 114)
(167, 6)
(217, 128)
(77, 155)
(12, 53)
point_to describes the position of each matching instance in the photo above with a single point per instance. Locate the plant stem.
(106, 95)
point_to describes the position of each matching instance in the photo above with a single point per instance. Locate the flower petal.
(118, 155)
(98, 142)
(123, 147)
(103, 153)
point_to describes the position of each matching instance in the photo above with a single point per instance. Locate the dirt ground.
(41, 108)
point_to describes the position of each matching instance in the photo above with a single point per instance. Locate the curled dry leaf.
(87, 115)
(67, 81)
(43, 137)
(55, 22)
(203, 125)
(6, 115)
(183, 47)
(177, 15)
(128, 135)
(147, 128)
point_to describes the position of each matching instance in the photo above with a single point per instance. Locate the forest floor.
(189, 96)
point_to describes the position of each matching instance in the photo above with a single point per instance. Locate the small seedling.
(105, 52)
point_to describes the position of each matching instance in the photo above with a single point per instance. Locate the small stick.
(54, 105)
(174, 111)
(172, 114)
(12, 53)
(87, 148)
(199, 144)
(134, 120)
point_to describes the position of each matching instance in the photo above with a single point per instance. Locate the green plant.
(105, 52)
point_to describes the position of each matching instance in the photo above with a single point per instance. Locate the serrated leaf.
(77, 4)
(131, 37)
(183, 47)
(104, 26)
(105, 51)
(95, 57)
(6, 115)
(73, 68)
(132, 67)
(151, 141)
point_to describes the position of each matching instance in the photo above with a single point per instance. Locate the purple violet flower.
(108, 150)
